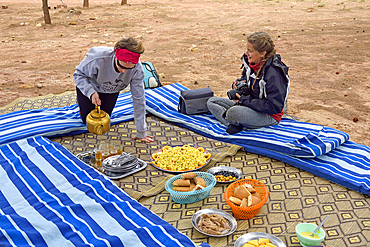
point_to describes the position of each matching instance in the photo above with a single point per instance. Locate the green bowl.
(308, 227)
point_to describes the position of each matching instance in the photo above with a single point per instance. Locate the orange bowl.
(246, 212)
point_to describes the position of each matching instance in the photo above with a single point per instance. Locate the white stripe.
(49, 231)
(16, 227)
(96, 211)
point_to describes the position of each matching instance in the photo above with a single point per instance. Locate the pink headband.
(127, 56)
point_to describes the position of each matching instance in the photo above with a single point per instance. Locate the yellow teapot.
(98, 121)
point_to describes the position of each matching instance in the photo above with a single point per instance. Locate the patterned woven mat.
(295, 195)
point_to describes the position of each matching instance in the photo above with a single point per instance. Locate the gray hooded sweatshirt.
(96, 73)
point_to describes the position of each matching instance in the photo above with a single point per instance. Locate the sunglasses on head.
(123, 67)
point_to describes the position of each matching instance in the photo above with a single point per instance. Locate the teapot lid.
(95, 113)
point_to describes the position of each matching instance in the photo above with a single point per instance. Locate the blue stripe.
(17, 237)
(321, 150)
(43, 202)
(143, 217)
(307, 141)
(52, 180)
(53, 122)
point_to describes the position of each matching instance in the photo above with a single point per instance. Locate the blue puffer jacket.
(270, 90)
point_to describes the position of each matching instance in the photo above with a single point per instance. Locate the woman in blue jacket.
(258, 97)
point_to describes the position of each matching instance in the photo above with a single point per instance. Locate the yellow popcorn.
(180, 158)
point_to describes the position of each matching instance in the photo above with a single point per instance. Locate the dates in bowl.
(225, 174)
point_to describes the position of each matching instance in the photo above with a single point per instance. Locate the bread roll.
(241, 192)
(250, 188)
(250, 200)
(200, 181)
(181, 188)
(258, 195)
(235, 200)
(181, 182)
(197, 187)
(192, 186)
(188, 175)
(255, 200)
(244, 203)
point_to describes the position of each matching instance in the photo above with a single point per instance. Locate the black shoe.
(233, 129)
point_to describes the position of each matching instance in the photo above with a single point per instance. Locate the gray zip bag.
(194, 101)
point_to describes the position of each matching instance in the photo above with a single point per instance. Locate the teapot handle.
(97, 107)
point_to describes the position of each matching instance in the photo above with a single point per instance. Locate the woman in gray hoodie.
(106, 71)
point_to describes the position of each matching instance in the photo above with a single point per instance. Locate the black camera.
(241, 89)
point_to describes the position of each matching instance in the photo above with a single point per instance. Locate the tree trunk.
(45, 8)
(86, 3)
(124, 2)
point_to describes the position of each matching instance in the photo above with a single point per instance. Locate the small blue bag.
(151, 78)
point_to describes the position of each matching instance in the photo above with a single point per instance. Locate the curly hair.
(130, 44)
(261, 42)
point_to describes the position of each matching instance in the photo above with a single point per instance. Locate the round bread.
(181, 188)
(188, 175)
(235, 200)
(250, 188)
(181, 182)
(255, 200)
(241, 192)
(200, 181)
(258, 195)
(244, 203)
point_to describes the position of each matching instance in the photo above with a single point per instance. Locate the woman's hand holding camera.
(239, 88)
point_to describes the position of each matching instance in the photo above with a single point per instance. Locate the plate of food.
(214, 222)
(179, 159)
(256, 239)
(226, 174)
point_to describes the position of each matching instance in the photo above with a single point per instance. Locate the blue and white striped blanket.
(320, 150)
(51, 122)
(323, 151)
(48, 197)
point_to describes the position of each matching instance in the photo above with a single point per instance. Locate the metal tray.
(232, 221)
(238, 173)
(88, 156)
(256, 235)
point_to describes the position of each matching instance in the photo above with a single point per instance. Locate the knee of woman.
(232, 115)
(210, 101)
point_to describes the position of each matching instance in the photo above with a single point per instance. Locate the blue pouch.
(151, 78)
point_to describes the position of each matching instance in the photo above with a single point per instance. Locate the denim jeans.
(238, 115)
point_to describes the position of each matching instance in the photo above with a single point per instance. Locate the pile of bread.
(189, 182)
(245, 195)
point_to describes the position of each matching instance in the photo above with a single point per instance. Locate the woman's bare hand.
(146, 139)
(95, 99)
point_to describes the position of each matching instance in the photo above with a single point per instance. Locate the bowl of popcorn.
(190, 187)
(246, 197)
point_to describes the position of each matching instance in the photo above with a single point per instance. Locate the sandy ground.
(199, 43)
